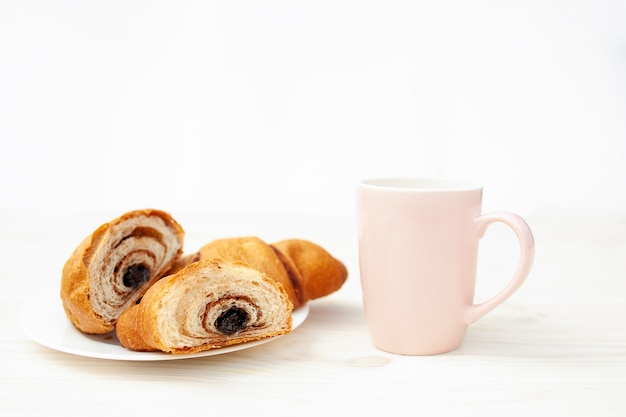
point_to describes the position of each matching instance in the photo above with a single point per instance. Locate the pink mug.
(418, 252)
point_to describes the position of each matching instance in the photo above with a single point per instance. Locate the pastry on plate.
(113, 267)
(206, 305)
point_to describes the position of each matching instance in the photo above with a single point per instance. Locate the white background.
(283, 106)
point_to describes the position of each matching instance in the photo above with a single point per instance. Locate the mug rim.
(421, 184)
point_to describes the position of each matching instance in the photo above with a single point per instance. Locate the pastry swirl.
(111, 269)
(206, 305)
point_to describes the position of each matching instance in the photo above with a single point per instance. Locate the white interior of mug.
(419, 183)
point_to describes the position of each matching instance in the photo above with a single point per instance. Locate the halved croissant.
(111, 269)
(208, 304)
(306, 270)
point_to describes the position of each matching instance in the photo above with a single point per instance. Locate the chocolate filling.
(136, 275)
(232, 320)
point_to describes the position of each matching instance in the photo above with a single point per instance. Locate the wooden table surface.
(556, 348)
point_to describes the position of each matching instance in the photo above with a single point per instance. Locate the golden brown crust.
(75, 290)
(128, 333)
(321, 274)
(305, 269)
(75, 281)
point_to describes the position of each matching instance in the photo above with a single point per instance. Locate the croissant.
(208, 304)
(111, 269)
(306, 270)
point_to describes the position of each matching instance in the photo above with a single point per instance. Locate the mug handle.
(527, 255)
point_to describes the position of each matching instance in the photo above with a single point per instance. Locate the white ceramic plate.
(44, 321)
